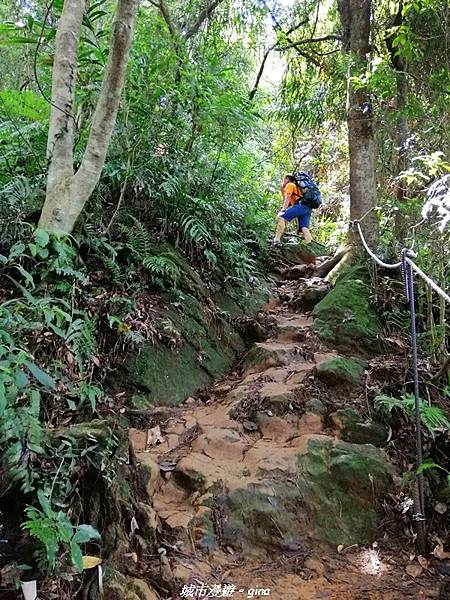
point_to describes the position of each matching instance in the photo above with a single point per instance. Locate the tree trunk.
(67, 193)
(400, 64)
(356, 20)
(64, 74)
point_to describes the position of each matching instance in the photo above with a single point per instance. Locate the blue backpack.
(310, 192)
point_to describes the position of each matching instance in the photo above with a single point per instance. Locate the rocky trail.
(273, 482)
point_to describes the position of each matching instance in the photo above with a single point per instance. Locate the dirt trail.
(250, 430)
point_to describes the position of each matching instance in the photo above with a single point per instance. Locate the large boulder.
(340, 482)
(326, 494)
(352, 427)
(344, 317)
(341, 369)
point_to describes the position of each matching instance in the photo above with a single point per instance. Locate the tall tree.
(356, 28)
(68, 191)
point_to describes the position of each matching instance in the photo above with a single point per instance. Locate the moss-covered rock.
(354, 428)
(301, 253)
(261, 518)
(207, 346)
(341, 370)
(142, 590)
(345, 317)
(340, 482)
(332, 499)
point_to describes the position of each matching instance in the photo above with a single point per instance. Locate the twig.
(119, 203)
(442, 370)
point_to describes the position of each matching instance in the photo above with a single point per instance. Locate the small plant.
(56, 536)
(432, 417)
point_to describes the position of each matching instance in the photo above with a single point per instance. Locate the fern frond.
(195, 231)
(117, 276)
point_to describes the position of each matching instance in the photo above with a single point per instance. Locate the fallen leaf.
(414, 570)
(423, 562)
(440, 508)
(439, 552)
(134, 525)
(89, 562)
(400, 343)
(154, 436)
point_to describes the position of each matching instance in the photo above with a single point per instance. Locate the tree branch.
(109, 99)
(260, 73)
(324, 38)
(304, 54)
(209, 8)
(164, 10)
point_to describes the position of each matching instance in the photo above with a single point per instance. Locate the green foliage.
(56, 535)
(432, 417)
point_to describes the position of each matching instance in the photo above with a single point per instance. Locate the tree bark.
(356, 19)
(67, 193)
(64, 74)
(400, 64)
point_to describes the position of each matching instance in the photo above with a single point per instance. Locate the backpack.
(310, 192)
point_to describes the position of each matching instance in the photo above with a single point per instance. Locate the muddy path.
(253, 488)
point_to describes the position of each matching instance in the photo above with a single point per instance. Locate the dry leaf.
(440, 508)
(423, 562)
(340, 547)
(414, 570)
(154, 436)
(89, 562)
(134, 525)
(439, 552)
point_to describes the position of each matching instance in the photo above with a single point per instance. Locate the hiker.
(293, 208)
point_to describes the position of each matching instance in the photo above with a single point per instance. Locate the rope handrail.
(408, 268)
(429, 281)
(398, 265)
(371, 254)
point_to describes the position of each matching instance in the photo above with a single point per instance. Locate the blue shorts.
(300, 212)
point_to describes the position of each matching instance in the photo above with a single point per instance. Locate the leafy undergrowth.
(71, 310)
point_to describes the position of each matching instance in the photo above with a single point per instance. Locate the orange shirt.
(292, 192)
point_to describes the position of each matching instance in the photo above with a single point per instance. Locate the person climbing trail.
(300, 196)
(292, 209)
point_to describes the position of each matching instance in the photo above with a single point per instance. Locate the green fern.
(117, 276)
(138, 238)
(163, 269)
(432, 417)
(195, 230)
(81, 337)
